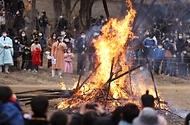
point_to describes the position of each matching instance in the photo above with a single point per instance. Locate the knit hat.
(148, 116)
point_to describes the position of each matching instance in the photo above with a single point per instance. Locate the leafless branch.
(74, 6)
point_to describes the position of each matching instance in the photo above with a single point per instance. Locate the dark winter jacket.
(43, 21)
(169, 46)
(10, 114)
(81, 45)
(37, 120)
(23, 40)
(179, 45)
(20, 5)
(17, 49)
(62, 24)
(26, 55)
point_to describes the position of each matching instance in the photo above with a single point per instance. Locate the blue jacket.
(6, 54)
(158, 54)
(152, 45)
(10, 113)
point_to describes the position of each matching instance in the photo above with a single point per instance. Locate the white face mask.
(188, 41)
(184, 52)
(40, 34)
(83, 36)
(159, 47)
(23, 34)
(180, 37)
(4, 34)
(54, 37)
(66, 40)
(16, 41)
(62, 33)
(60, 16)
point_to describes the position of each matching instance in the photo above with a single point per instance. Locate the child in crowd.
(36, 51)
(68, 60)
(39, 105)
(10, 111)
(17, 53)
(26, 58)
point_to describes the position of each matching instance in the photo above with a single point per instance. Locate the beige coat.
(57, 52)
(49, 44)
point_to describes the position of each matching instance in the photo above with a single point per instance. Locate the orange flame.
(111, 46)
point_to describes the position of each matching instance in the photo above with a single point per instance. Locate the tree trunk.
(34, 14)
(67, 4)
(57, 4)
(85, 14)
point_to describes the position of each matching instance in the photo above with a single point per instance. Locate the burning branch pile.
(111, 83)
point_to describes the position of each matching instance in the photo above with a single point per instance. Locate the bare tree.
(57, 4)
(34, 13)
(85, 13)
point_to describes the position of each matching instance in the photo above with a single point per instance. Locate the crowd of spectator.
(167, 47)
(11, 113)
(168, 53)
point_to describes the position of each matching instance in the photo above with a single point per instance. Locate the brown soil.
(174, 90)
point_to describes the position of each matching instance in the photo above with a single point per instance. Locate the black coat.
(37, 120)
(17, 50)
(43, 21)
(81, 45)
(23, 40)
(179, 45)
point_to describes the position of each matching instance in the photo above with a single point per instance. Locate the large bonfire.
(111, 51)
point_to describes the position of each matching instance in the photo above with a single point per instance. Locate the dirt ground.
(174, 90)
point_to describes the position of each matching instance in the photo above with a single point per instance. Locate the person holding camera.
(88, 114)
(57, 52)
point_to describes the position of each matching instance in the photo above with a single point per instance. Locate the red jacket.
(36, 59)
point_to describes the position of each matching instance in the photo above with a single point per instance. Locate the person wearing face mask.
(67, 41)
(149, 45)
(42, 41)
(173, 61)
(6, 52)
(17, 53)
(49, 44)
(63, 35)
(43, 22)
(23, 38)
(169, 52)
(179, 45)
(36, 51)
(62, 23)
(19, 22)
(57, 52)
(158, 56)
(81, 46)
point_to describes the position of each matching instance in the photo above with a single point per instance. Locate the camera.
(91, 106)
